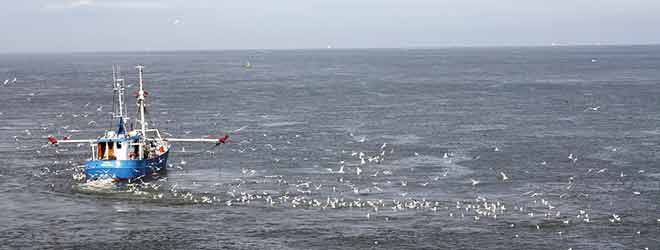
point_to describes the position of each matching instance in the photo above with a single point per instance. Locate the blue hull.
(126, 169)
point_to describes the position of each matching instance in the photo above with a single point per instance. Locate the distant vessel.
(129, 154)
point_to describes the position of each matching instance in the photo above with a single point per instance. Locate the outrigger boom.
(124, 154)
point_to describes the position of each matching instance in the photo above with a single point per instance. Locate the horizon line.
(148, 50)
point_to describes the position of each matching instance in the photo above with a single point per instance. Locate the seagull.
(504, 177)
(6, 81)
(572, 157)
(14, 80)
(445, 156)
(592, 109)
(475, 182)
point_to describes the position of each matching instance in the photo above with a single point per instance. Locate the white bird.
(14, 80)
(504, 177)
(358, 171)
(592, 109)
(445, 156)
(416, 154)
(496, 149)
(384, 145)
(6, 81)
(475, 182)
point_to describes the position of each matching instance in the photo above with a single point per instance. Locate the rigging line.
(203, 151)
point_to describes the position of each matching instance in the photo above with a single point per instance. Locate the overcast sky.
(111, 25)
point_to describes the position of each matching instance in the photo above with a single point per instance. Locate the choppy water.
(447, 116)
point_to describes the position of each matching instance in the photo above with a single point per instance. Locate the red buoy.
(52, 140)
(223, 139)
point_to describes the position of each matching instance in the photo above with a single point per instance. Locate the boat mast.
(119, 90)
(140, 103)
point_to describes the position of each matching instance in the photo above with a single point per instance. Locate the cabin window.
(111, 151)
(101, 150)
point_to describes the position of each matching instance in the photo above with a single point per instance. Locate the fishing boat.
(124, 153)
